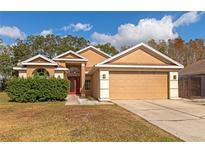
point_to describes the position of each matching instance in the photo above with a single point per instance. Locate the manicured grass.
(57, 122)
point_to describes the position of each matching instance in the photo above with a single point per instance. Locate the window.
(41, 72)
(74, 70)
(174, 77)
(87, 84)
(104, 76)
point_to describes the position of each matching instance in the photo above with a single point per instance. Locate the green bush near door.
(37, 89)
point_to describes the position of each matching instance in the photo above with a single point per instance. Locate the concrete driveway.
(183, 119)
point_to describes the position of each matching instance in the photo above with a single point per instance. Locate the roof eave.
(40, 64)
(139, 66)
(65, 59)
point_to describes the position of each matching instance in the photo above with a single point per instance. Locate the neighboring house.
(192, 80)
(140, 72)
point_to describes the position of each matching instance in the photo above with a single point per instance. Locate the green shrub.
(37, 89)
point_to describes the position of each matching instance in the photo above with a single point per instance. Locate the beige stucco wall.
(70, 56)
(93, 58)
(95, 84)
(61, 63)
(39, 60)
(138, 57)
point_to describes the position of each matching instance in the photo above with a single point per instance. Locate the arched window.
(74, 70)
(41, 72)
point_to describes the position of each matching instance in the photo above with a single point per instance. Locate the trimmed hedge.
(37, 89)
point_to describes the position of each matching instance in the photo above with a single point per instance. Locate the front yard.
(57, 122)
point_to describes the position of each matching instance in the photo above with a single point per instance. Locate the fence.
(190, 87)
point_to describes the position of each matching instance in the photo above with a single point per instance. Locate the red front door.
(74, 85)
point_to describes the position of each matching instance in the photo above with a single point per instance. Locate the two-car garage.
(138, 85)
(140, 72)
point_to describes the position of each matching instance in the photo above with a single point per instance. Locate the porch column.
(173, 85)
(82, 80)
(104, 86)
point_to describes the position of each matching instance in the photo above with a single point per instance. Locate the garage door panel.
(138, 85)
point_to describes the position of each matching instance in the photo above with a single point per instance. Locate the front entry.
(74, 85)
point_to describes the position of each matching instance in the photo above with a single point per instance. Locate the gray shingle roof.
(194, 69)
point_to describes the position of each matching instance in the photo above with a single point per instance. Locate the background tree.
(20, 51)
(108, 48)
(176, 49)
(5, 65)
(195, 51)
(161, 45)
(1, 44)
(125, 47)
(153, 44)
(185, 53)
(55, 45)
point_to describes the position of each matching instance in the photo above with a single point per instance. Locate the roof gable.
(137, 55)
(70, 56)
(93, 57)
(38, 60)
(94, 49)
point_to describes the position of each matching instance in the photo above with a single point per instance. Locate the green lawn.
(57, 122)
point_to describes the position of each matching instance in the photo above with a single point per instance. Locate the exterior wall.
(138, 57)
(59, 74)
(22, 74)
(70, 56)
(31, 69)
(88, 92)
(39, 60)
(95, 84)
(93, 58)
(173, 85)
(61, 63)
(138, 85)
(104, 86)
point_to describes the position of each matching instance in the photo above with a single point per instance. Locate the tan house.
(139, 72)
